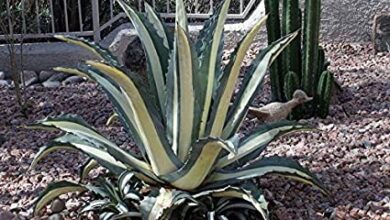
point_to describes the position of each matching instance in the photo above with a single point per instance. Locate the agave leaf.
(181, 15)
(46, 150)
(157, 24)
(102, 53)
(126, 179)
(94, 150)
(151, 52)
(186, 91)
(251, 83)
(273, 165)
(54, 190)
(258, 140)
(152, 208)
(226, 89)
(121, 106)
(161, 206)
(95, 205)
(71, 71)
(114, 154)
(160, 42)
(106, 215)
(247, 192)
(126, 215)
(208, 59)
(199, 164)
(111, 119)
(161, 156)
(75, 125)
(172, 102)
(86, 169)
(100, 155)
(111, 191)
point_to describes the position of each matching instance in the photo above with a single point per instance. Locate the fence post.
(96, 20)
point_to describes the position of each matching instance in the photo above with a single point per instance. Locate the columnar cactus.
(291, 22)
(274, 33)
(310, 44)
(324, 93)
(303, 62)
(291, 84)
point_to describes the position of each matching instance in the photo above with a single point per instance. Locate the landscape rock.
(45, 75)
(4, 83)
(381, 32)
(58, 77)
(58, 205)
(134, 57)
(128, 49)
(56, 216)
(121, 41)
(51, 84)
(30, 77)
(2, 75)
(73, 80)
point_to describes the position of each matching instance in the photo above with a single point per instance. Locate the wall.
(350, 20)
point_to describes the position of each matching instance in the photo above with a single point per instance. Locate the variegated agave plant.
(192, 159)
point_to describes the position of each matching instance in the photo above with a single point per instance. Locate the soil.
(350, 151)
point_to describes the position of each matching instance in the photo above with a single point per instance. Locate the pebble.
(58, 205)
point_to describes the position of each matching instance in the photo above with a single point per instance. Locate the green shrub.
(192, 160)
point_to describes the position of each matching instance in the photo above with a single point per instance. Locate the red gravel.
(350, 153)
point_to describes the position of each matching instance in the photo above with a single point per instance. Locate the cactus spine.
(324, 93)
(311, 37)
(274, 33)
(291, 21)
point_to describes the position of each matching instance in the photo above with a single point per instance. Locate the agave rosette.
(183, 121)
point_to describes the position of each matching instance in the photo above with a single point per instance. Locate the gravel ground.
(350, 152)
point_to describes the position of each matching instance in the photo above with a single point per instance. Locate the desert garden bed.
(350, 151)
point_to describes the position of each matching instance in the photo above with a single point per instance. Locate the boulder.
(128, 49)
(381, 32)
(134, 57)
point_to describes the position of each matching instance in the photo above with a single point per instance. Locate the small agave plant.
(192, 162)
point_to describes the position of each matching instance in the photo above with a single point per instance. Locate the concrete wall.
(45, 56)
(350, 20)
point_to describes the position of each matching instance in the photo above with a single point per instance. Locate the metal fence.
(32, 13)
